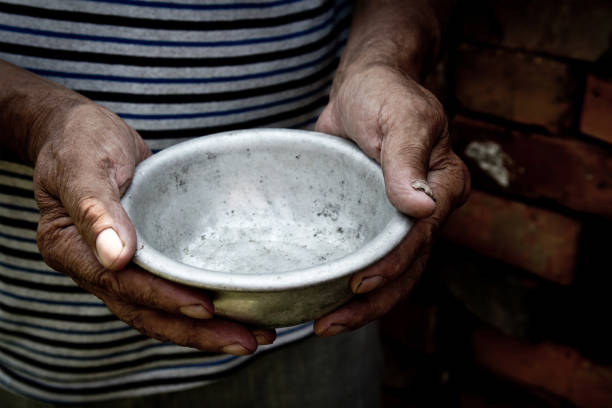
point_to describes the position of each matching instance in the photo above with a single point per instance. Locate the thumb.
(404, 157)
(93, 203)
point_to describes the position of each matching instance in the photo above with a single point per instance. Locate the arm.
(24, 102)
(377, 101)
(403, 34)
(84, 158)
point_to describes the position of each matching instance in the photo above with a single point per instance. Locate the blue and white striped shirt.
(172, 70)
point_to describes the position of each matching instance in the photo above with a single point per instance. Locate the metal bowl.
(272, 222)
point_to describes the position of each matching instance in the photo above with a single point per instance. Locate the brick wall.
(514, 307)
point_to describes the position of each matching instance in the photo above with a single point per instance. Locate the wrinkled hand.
(85, 163)
(402, 126)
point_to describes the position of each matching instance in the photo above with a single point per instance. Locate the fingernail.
(235, 349)
(108, 247)
(196, 311)
(369, 284)
(334, 329)
(422, 186)
(261, 339)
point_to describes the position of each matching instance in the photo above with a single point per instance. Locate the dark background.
(515, 309)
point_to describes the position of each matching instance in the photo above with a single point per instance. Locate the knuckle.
(145, 296)
(42, 193)
(89, 211)
(133, 317)
(187, 336)
(192, 338)
(57, 239)
(127, 287)
(141, 322)
(428, 108)
(47, 241)
(51, 238)
(431, 116)
(460, 182)
(430, 225)
(109, 282)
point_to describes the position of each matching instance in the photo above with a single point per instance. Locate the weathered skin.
(85, 157)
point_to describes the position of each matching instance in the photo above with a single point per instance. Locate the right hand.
(85, 162)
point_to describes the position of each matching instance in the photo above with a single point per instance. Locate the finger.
(450, 181)
(406, 150)
(88, 177)
(63, 249)
(91, 198)
(264, 336)
(214, 335)
(140, 287)
(366, 308)
(394, 263)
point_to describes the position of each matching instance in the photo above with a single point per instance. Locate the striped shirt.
(171, 69)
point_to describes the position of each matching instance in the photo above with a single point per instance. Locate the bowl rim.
(152, 260)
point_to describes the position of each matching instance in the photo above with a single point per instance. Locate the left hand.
(401, 125)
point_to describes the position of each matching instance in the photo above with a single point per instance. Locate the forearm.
(405, 34)
(28, 101)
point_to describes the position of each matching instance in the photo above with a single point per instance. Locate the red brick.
(555, 368)
(537, 240)
(513, 85)
(577, 29)
(596, 118)
(573, 173)
(494, 292)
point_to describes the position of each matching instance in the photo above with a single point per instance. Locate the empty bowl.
(271, 222)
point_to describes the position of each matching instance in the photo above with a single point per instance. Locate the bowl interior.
(259, 202)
